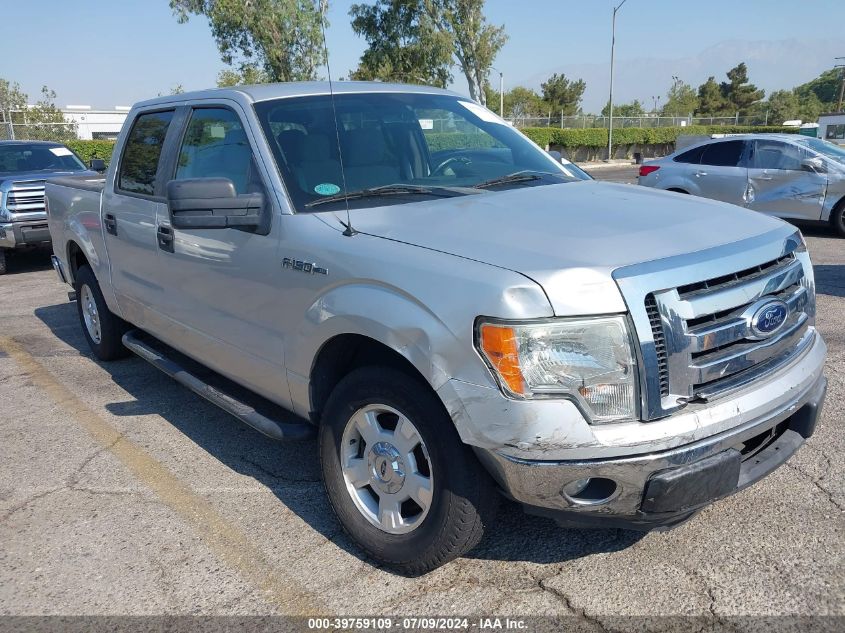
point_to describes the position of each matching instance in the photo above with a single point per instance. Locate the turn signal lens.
(499, 345)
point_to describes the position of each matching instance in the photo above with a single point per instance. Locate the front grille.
(26, 197)
(703, 342)
(659, 343)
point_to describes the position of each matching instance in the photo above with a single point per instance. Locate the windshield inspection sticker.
(327, 189)
(481, 112)
(61, 151)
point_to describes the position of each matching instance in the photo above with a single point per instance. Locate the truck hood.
(570, 237)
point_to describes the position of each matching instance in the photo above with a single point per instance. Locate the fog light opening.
(591, 491)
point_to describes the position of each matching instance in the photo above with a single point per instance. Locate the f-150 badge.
(304, 267)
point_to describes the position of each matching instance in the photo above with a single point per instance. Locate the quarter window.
(143, 150)
(216, 146)
(726, 154)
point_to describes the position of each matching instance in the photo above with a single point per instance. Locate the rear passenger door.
(722, 173)
(130, 208)
(780, 184)
(223, 292)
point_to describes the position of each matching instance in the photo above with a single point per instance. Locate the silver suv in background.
(785, 175)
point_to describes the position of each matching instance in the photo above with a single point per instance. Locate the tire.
(462, 501)
(103, 330)
(837, 218)
(2, 261)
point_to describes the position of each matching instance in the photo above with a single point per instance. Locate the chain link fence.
(588, 120)
(24, 125)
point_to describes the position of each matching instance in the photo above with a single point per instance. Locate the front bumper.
(664, 487)
(17, 234)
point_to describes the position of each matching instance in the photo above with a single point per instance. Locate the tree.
(562, 95)
(475, 43)
(402, 44)
(520, 102)
(783, 105)
(737, 92)
(710, 99)
(41, 121)
(283, 37)
(825, 87)
(681, 99)
(247, 75)
(633, 109)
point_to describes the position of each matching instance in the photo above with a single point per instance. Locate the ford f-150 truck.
(452, 312)
(24, 166)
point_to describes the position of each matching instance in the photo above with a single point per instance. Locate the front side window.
(778, 155)
(143, 150)
(216, 146)
(416, 145)
(725, 154)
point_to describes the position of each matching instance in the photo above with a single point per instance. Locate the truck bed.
(86, 183)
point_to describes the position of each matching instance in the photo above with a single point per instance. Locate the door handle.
(165, 238)
(700, 173)
(110, 222)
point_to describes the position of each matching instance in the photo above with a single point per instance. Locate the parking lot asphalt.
(123, 493)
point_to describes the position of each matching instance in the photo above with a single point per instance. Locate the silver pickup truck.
(24, 166)
(454, 313)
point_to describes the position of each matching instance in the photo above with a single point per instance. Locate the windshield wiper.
(516, 177)
(385, 190)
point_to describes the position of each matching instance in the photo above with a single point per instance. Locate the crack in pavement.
(580, 613)
(816, 481)
(70, 482)
(263, 469)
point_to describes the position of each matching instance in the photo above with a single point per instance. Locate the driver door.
(223, 296)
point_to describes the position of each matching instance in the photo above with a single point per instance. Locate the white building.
(95, 124)
(832, 127)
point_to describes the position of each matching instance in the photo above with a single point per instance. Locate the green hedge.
(86, 150)
(570, 138)
(597, 137)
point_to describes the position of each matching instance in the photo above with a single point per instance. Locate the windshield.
(24, 158)
(436, 144)
(825, 147)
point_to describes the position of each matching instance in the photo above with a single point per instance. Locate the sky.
(105, 53)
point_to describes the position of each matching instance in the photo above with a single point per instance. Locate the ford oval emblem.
(769, 318)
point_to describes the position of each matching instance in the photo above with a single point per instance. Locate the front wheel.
(103, 330)
(400, 480)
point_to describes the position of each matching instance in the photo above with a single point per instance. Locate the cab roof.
(264, 92)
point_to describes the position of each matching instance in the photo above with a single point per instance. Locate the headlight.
(589, 360)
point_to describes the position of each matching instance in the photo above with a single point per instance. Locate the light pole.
(501, 92)
(842, 85)
(610, 101)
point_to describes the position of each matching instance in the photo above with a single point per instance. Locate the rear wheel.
(103, 330)
(400, 480)
(2, 261)
(837, 218)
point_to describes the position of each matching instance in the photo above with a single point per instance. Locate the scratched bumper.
(665, 488)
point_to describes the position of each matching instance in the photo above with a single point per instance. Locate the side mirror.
(814, 165)
(97, 164)
(556, 155)
(213, 203)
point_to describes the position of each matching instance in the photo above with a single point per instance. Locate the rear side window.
(691, 156)
(143, 150)
(727, 154)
